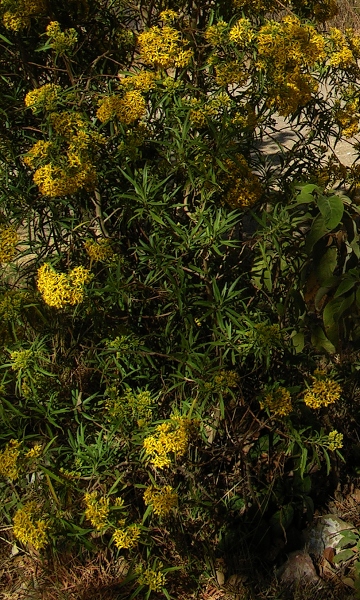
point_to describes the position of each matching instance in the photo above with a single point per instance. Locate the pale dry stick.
(99, 214)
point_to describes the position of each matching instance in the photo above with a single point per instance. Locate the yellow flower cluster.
(242, 188)
(322, 393)
(242, 33)
(335, 440)
(130, 406)
(34, 452)
(128, 108)
(285, 50)
(292, 91)
(19, 15)
(9, 466)
(21, 359)
(44, 97)
(223, 382)
(200, 111)
(168, 16)
(74, 142)
(278, 402)
(171, 437)
(133, 139)
(162, 47)
(162, 500)
(8, 241)
(144, 81)
(97, 510)
(29, 530)
(61, 289)
(53, 181)
(62, 42)
(348, 118)
(154, 579)
(11, 304)
(347, 112)
(217, 34)
(341, 54)
(100, 250)
(246, 117)
(127, 538)
(268, 335)
(231, 72)
(39, 151)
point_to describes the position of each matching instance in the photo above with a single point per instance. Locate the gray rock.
(325, 533)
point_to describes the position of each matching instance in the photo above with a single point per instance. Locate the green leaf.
(282, 519)
(317, 231)
(328, 262)
(330, 319)
(332, 209)
(5, 39)
(343, 556)
(321, 342)
(345, 286)
(348, 538)
(298, 341)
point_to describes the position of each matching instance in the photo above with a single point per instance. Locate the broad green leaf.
(298, 341)
(343, 556)
(332, 209)
(345, 305)
(346, 285)
(348, 538)
(321, 342)
(325, 269)
(317, 231)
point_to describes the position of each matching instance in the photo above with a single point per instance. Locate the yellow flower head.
(60, 289)
(153, 578)
(29, 530)
(278, 402)
(217, 34)
(170, 438)
(242, 33)
(128, 537)
(97, 510)
(19, 13)
(43, 98)
(162, 47)
(9, 466)
(241, 186)
(61, 41)
(128, 108)
(144, 81)
(322, 393)
(162, 500)
(100, 250)
(335, 440)
(8, 241)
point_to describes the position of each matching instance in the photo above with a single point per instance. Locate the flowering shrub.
(168, 286)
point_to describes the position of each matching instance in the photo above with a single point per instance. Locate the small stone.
(298, 568)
